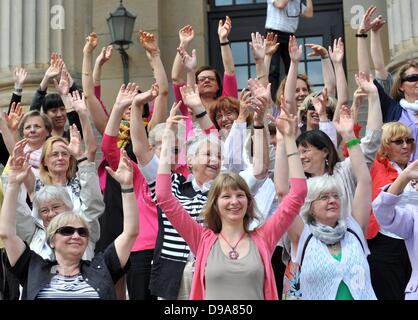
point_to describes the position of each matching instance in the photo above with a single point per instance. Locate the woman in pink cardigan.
(231, 261)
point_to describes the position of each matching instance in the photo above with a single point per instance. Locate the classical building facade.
(31, 29)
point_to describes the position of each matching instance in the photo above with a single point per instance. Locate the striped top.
(68, 287)
(192, 200)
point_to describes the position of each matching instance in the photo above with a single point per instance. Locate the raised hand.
(365, 82)
(63, 87)
(411, 170)
(286, 123)
(336, 53)
(145, 97)
(358, 98)
(55, 67)
(149, 43)
(224, 28)
(295, 51)
(366, 23)
(13, 118)
(189, 62)
(174, 120)
(258, 46)
(244, 105)
(186, 35)
(18, 169)
(271, 44)
(19, 149)
(191, 97)
(317, 50)
(124, 173)
(377, 23)
(126, 95)
(320, 103)
(91, 42)
(19, 77)
(74, 148)
(79, 103)
(104, 55)
(345, 125)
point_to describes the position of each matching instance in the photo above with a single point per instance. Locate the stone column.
(403, 31)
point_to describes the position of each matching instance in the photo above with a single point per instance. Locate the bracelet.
(127, 190)
(293, 154)
(258, 127)
(352, 142)
(201, 115)
(261, 77)
(224, 43)
(361, 35)
(18, 90)
(326, 57)
(81, 160)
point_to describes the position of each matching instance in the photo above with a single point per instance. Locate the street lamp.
(121, 25)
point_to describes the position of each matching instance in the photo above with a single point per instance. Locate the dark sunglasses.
(410, 78)
(69, 231)
(310, 108)
(399, 142)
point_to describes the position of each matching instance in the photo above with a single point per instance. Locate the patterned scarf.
(327, 234)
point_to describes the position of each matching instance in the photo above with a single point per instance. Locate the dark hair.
(218, 78)
(52, 100)
(321, 141)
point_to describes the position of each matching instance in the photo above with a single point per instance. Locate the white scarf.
(411, 107)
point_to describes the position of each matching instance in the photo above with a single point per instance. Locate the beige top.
(227, 279)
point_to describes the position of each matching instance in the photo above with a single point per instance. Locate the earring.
(326, 163)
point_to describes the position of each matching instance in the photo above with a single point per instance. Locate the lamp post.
(121, 25)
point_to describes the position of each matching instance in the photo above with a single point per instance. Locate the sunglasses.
(69, 231)
(410, 78)
(399, 142)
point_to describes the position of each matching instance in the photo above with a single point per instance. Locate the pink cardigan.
(201, 239)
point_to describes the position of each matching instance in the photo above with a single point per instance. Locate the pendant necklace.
(233, 254)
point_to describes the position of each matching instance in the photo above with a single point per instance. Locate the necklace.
(233, 254)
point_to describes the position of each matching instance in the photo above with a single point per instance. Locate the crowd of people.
(264, 194)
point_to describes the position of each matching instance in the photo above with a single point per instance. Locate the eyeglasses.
(204, 78)
(400, 142)
(328, 196)
(310, 108)
(55, 208)
(227, 114)
(410, 78)
(69, 231)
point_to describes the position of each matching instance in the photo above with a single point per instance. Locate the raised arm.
(295, 53)
(336, 53)
(9, 124)
(374, 115)
(261, 99)
(101, 59)
(186, 35)
(327, 69)
(362, 49)
(377, 50)
(99, 116)
(139, 137)
(309, 11)
(363, 194)
(149, 43)
(258, 49)
(19, 77)
(272, 45)
(79, 105)
(189, 63)
(224, 28)
(15, 246)
(124, 175)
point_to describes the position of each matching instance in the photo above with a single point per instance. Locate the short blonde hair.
(392, 131)
(62, 220)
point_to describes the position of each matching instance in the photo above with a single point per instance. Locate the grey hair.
(62, 220)
(316, 186)
(51, 193)
(193, 145)
(30, 114)
(156, 134)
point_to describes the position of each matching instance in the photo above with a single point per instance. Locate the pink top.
(147, 210)
(201, 239)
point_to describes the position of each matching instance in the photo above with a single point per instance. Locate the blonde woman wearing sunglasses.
(389, 262)
(68, 276)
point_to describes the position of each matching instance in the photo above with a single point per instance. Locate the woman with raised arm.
(389, 263)
(329, 240)
(68, 276)
(224, 244)
(400, 219)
